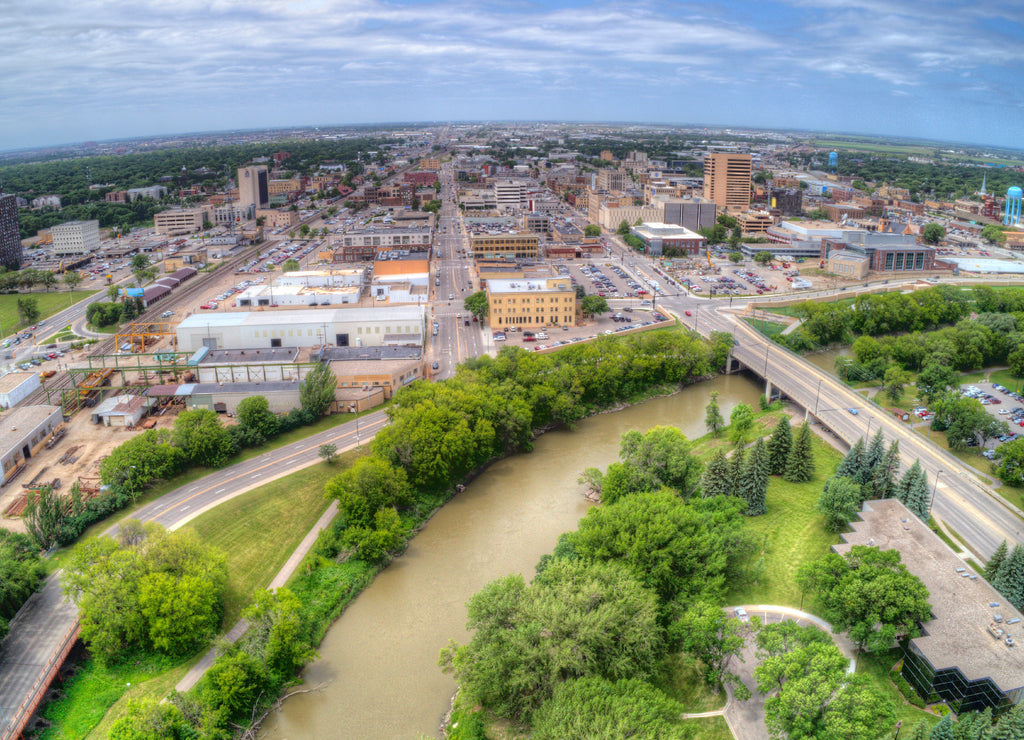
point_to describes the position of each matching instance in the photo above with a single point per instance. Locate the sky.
(90, 70)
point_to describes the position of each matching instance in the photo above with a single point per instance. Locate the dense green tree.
(713, 419)
(290, 265)
(839, 502)
(371, 484)
(328, 452)
(868, 593)
(623, 229)
(1010, 462)
(1015, 360)
(377, 541)
(661, 456)
(592, 230)
(996, 561)
(741, 420)
(779, 445)
(681, 549)
(944, 730)
(476, 304)
(201, 436)
(883, 475)
(993, 234)
(873, 455)
(257, 421)
(737, 462)
(716, 479)
(20, 573)
(854, 463)
(933, 233)
(28, 310)
(576, 620)
(316, 392)
(894, 382)
(595, 708)
(148, 719)
(763, 257)
(276, 635)
(753, 481)
(800, 463)
(705, 632)
(593, 305)
(1009, 580)
(913, 491)
(163, 593)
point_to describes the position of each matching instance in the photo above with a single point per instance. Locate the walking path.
(191, 678)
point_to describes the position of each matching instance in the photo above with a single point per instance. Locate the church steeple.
(983, 178)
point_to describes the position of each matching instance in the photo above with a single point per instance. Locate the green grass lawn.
(709, 728)
(257, 531)
(876, 667)
(794, 533)
(768, 328)
(49, 304)
(680, 678)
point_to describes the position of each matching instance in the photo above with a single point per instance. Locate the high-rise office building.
(10, 236)
(727, 180)
(253, 188)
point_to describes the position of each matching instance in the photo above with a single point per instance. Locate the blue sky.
(79, 70)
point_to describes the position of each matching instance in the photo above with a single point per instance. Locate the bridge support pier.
(768, 390)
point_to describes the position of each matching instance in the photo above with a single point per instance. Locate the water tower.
(833, 160)
(1013, 199)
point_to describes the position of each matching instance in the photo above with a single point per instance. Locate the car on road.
(165, 314)
(853, 411)
(688, 313)
(435, 365)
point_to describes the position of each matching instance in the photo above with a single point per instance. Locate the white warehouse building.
(338, 327)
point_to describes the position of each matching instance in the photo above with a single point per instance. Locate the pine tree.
(873, 455)
(1010, 725)
(1009, 581)
(922, 731)
(883, 476)
(713, 419)
(736, 465)
(778, 447)
(852, 465)
(754, 479)
(944, 730)
(912, 490)
(800, 463)
(994, 562)
(716, 480)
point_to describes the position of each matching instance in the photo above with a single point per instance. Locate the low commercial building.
(275, 218)
(755, 222)
(401, 280)
(659, 238)
(411, 238)
(75, 237)
(887, 252)
(16, 387)
(843, 212)
(968, 654)
(25, 430)
(531, 304)
(849, 264)
(122, 411)
(298, 295)
(282, 396)
(609, 217)
(366, 371)
(178, 221)
(249, 365)
(340, 327)
(505, 246)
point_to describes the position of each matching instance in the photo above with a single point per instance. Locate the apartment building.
(509, 195)
(727, 180)
(531, 304)
(75, 237)
(413, 239)
(693, 213)
(609, 179)
(10, 235)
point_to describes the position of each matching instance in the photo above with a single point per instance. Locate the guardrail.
(17, 722)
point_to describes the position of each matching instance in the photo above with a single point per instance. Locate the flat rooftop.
(524, 285)
(19, 423)
(243, 356)
(961, 600)
(12, 380)
(372, 314)
(356, 354)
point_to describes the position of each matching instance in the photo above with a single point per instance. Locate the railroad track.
(107, 346)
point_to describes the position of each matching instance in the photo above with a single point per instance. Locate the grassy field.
(49, 304)
(257, 531)
(681, 680)
(793, 532)
(768, 328)
(709, 728)
(876, 667)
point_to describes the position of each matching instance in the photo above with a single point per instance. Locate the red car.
(688, 313)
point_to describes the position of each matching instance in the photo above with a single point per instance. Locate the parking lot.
(616, 322)
(1001, 403)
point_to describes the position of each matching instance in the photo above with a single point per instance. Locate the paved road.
(961, 500)
(40, 626)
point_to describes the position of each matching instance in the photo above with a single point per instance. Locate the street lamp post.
(934, 489)
(817, 396)
(131, 484)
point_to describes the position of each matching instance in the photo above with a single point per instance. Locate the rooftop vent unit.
(961, 570)
(1015, 620)
(994, 605)
(997, 618)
